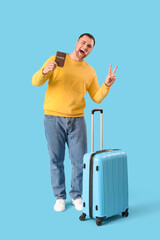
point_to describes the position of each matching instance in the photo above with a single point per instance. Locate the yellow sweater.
(67, 87)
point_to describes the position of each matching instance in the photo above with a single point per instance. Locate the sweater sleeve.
(39, 78)
(96, 93)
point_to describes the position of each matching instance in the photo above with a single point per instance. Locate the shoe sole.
(59, 210)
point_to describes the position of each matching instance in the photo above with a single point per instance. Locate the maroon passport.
(60, 58)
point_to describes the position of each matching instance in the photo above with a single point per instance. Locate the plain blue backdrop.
(127, 35)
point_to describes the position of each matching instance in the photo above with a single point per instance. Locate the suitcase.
(105, 181)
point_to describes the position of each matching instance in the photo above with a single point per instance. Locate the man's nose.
(85, 47)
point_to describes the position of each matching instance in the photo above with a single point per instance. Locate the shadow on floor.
(145, 209)
(68, 205)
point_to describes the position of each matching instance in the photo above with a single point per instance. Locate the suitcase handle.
(97, 110)
(101, 126)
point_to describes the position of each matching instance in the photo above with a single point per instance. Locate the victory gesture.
(110, 79)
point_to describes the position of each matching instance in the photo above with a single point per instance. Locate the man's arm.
(96, 93)
(41, 76)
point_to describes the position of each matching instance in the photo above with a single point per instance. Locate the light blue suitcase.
(105, 181)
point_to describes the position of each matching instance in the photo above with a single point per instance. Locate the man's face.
(83, 47)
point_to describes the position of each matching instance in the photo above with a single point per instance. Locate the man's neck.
(74, 57)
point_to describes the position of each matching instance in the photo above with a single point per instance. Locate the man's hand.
(51, 66)
(110, 79)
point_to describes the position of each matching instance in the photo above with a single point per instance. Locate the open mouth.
(82, 51)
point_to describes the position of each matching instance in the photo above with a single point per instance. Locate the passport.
(60, 58)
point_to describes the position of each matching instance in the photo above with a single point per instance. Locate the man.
(64, 116)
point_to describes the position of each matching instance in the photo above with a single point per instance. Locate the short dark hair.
(88, 35)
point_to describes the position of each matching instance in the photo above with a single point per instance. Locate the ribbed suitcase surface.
(110, 184)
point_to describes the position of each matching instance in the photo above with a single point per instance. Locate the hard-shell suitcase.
(105, 181)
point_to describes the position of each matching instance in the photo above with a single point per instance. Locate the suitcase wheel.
(125, 214)
(99, 222)
(82, 217)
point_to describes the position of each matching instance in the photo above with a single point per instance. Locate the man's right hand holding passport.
(51, 66)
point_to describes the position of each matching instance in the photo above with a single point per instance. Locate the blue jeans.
(58, 131)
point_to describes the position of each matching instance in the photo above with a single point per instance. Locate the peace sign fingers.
(110, 69)
(114, 69)
(110, 79)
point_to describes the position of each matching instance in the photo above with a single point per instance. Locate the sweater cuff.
(44, 76)
(105, 87)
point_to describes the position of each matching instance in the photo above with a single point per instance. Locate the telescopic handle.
(101, 127)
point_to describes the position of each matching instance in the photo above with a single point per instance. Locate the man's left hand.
(110, 79)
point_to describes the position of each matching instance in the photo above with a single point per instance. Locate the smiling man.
(84, 46)
(64, 114)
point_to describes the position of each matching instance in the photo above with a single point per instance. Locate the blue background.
(127, 35)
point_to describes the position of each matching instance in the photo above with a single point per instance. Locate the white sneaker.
(77, 203)
(59, 205)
